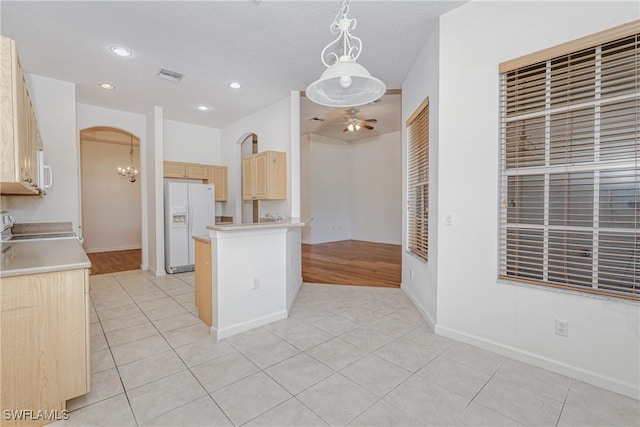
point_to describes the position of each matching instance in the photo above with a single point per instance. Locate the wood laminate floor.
(352, 262)
(114, 261)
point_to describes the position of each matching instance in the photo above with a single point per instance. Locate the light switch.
(449, 219)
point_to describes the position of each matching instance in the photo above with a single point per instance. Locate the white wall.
(184, 142)
(305, 185)
(419, 278)
(237, 304)
(376, 196)
(55, 106)
(294, 266)
(603, 346)
(273, 127)
(111, 205)
(152, 157)
(331, 186)
(352, 190)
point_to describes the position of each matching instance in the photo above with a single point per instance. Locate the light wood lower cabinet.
(204, 279)
(44, 342)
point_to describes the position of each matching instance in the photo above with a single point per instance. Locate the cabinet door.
(44, 340)
(196, 171)
(204, 281)
(261, 165)
(173, 170)
(248, 177)
(20, 137)
(218, 177)
(277, 175)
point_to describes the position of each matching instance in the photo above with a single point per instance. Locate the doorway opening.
(250, 208)
(351, 188)
(111, 206)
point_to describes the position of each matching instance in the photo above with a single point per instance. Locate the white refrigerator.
(188, 208)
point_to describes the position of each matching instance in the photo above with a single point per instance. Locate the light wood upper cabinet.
(209, 174)
(174, 169)
(45, 355)
(185, 170)
(197, 171)
(264, 176)
(217, 175)
(20, 138)
(248, 180)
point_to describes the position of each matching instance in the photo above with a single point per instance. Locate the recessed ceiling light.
(235, 85)
(203, 108)
(121, 51)
(107, 86)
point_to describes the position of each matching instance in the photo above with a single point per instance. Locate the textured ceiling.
(271, 47)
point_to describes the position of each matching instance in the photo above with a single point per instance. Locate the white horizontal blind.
(418, 181)
(570, 169)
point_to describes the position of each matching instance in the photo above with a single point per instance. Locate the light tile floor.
(346, 356)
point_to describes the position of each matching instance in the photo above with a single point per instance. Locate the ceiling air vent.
(170, 75)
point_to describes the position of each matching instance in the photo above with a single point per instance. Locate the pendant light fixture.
(130, 172)
(344, 83)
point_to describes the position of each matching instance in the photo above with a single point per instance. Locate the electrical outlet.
(256, 283)
(449, 219)
(562, 327)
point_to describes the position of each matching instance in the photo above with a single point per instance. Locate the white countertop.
(285, 223)
(41, 256)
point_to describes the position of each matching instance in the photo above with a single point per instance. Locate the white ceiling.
(271, 47)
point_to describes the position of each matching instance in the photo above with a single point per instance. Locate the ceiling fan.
(354, 123)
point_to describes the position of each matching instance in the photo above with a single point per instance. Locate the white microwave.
(45, 175)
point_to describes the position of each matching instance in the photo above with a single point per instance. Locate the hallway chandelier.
(344, 83)
(129, 172)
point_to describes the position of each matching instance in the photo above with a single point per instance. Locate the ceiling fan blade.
(370, 120)
(366, 126)
(345, 129)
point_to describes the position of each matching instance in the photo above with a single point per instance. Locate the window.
(570, 165)
(418, 181)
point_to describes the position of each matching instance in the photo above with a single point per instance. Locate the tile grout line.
(126, 395)
(126, 392)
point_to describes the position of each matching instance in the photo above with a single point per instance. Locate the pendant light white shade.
(345, 84)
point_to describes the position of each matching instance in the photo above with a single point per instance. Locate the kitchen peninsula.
(247, 275)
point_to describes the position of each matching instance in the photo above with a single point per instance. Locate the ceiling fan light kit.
(344, 83)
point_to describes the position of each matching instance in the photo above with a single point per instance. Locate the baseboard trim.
(112, 249)
(245, 326)
(593, 378)
(427, 316)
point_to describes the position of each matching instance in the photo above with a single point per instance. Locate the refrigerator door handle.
(190, 218)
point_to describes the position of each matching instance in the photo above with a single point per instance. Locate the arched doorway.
(110, 203)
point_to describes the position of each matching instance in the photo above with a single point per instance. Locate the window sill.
(568, 292)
